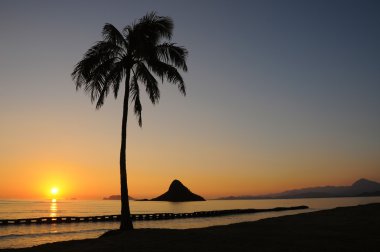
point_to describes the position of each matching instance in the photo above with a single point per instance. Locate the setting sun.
(54, 190)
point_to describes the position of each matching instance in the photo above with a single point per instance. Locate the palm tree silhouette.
(137, 56)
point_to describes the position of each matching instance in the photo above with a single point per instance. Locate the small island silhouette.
(116, 197)
(178, 193)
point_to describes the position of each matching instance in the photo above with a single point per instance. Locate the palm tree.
(137, 56)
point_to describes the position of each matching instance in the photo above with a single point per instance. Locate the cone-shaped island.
(178, 193)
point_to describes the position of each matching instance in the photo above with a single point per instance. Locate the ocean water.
(17, 236)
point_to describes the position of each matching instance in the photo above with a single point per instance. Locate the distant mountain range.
(361, 188)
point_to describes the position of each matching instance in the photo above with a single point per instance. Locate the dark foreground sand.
(341, 229)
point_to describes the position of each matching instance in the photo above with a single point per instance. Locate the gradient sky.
(281, 95)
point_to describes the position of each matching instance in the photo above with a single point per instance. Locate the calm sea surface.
(16, 236)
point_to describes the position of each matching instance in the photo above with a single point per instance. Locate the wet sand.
(341, 229)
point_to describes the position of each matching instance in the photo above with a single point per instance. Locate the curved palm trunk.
(125, 219)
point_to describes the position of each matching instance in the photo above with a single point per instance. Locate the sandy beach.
(340, 229)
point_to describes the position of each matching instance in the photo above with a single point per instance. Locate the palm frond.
(135, 97)
(144, 35)
(155, 26)
(93, 71)
(105, 49)
(102, 95)
(168, 72)
(151, 85)
(113, 35)
(115, 76)
(95, 56)
(172, 54)
(127, 31)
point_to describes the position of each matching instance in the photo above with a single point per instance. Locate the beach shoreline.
(340, 229)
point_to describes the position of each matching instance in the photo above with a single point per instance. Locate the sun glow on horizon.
(54, 190)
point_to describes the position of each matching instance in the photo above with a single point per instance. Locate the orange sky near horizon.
(33, 176)
(36, 156)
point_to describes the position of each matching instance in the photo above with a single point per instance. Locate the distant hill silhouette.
(370, 194)
(177, 193)
(116, 197)
(360, 188)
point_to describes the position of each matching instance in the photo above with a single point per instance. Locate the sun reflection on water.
(53, 208)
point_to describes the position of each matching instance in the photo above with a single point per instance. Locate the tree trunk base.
(126, 225)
